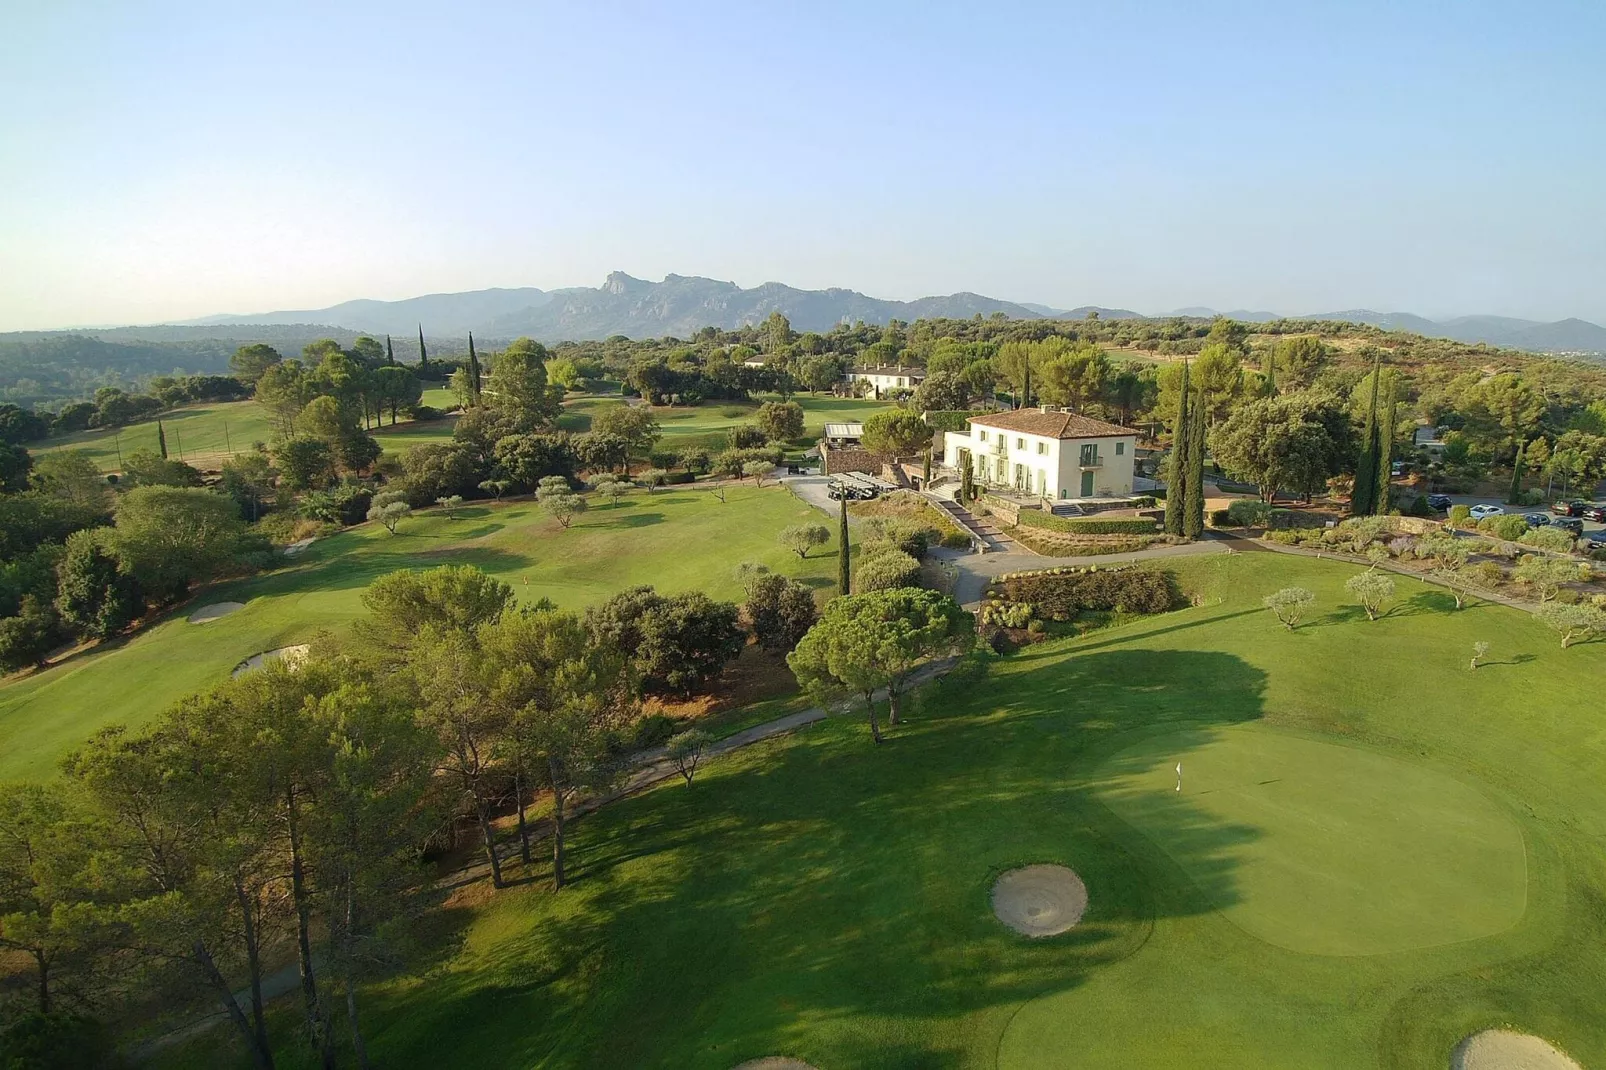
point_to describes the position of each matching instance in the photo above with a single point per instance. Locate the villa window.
(1042, 447)
(1120, 449)
(983, 435)
(1020, 443)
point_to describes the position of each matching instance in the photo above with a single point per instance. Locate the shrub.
(1007, 614)
(955, 539)
(1548, 538)
(1221, 518)
(746, 437)
(1460, 515)
(1249, 513)
(1060, 594)
(906, 535)
(1508, 526)
(1286, 538)
(885, 567)
(1118, 525)
(653, 730)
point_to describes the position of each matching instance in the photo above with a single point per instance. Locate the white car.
(1481, 511)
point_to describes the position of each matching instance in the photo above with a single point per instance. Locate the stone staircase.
(986, 534)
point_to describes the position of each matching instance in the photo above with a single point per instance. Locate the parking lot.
(1470, 500)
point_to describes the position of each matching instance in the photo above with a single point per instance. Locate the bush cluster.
(1060, 594)
(1122, 525)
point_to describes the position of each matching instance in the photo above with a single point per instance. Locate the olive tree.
(801, 538)
(686, 752)
(1372, 589)
(1572, 622)
(1289, 605)
(389, 507)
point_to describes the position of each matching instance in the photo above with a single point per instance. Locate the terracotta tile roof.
(1051, 424)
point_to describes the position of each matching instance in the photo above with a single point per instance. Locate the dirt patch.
(291, 654)
(774, 1062)
(1502, 1049)
(214, 611)
(1040, 900)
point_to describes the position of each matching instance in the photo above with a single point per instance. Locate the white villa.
(887, 378)
(1045, 452)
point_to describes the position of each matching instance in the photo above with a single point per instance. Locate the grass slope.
(822, 898)
(205, 435)
(674, 540)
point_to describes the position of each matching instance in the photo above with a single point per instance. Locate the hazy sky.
(167, 160)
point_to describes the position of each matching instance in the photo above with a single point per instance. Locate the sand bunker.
(1501, 1049)
(214, 611)
(291, 654)
(774, 1062)
(1039, 900)
(299, 545)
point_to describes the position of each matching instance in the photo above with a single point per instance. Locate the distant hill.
(1563, 336)
(1082, 311)
(680, 305)
(439, 313)
(1534, 336)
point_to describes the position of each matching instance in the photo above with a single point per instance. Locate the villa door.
(1087, 484)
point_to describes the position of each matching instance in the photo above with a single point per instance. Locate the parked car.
(1441, 502)
(1536, 520)
(1573, 508)
(1596, 513)
(1595, 540)
(1570, 524)
(1479, 512)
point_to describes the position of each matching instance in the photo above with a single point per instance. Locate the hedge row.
(1062, 594)
(1122, 525)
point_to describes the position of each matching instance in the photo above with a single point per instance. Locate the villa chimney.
(1042, 408)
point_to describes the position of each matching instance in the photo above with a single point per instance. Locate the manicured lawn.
(705, 425)
(674, 540)
(1335, 887)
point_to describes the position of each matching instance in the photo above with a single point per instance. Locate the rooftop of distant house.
(1051, 423)
(889, 369)
(846, 430)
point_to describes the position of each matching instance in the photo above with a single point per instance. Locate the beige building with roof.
(1045, 452)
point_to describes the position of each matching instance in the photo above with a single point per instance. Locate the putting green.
(1320, 847)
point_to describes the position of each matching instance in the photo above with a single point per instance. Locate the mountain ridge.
(680, 305)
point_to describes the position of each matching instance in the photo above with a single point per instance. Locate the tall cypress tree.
(1176, 469)
(423, 354)
(1193, 494)
(390, 353)
(842, 572)
(473, 370)
(1271, 371)
(1514, 495)
(1385, 451)
(161, 439)
(1363, 498)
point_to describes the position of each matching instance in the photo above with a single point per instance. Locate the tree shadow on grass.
(625, 522)
(822, 879)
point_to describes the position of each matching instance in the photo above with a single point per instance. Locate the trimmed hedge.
(1124, 525)
(1061, 594)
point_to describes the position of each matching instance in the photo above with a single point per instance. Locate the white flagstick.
(1179, 776)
